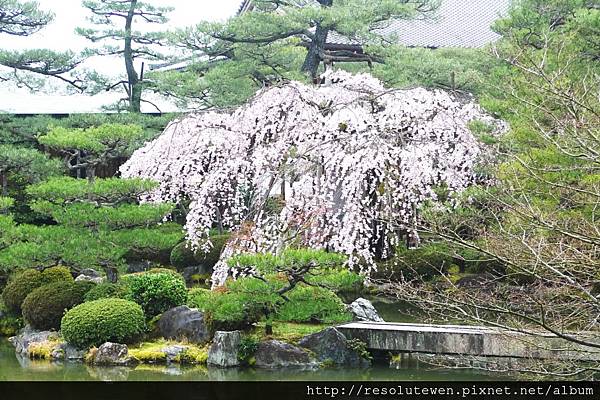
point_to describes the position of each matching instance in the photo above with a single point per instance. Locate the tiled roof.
(457, 23)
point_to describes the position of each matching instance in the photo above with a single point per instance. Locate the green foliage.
(154, 244)
(6, 203)
(360, 348)
(338, 280)
(269, 44)
(26, 281)
(45, 306)
(95, 140)
(427, 261)
(267, 263)
(446, 68)
(236, 306)
(56, 274)
(105, 320)
(107, 290)
(46, 246)
(19, 287)
(248, 347)
(313, 304)
(157, 292)
(10, 326)
(27, 163)
(184, 256)
(66, 190)
(22, 18)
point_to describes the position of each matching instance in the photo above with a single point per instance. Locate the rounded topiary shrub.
(19, 287)
(105, 320)
(183, 255)
(107, 290)
(313, 304)
(56, 274)
(44, 307)
(157, 292)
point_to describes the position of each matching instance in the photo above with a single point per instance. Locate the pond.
(16, 368)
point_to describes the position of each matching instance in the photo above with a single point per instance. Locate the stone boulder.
(331, 346)
(363, 310)
(276, 354)
(138, 266)
(28, 335)
(224, 350)
(86, 278)
(92, 273)
(113, 354)
(173, 351)
(184, 323)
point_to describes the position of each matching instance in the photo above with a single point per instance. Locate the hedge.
(105, 320)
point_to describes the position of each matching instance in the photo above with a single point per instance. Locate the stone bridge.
(468, 340)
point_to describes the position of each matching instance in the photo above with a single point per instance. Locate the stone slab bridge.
(468, 341)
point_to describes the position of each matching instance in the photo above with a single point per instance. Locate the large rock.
(363, 310)
(173, 351)
(224, 350)
(86, 278)
(138, 266)
(92, 273)
(28, 336)
(65, 351)
(276, 354)
(184, 323)
(113, 354)
(331, 346)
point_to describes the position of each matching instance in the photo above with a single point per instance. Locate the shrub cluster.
(26, 281)
(105, 320)
(19, 287)
(156, 292)
(44, 307)
(313, 304)
(107, 290)
(244, 301)
(238, 305)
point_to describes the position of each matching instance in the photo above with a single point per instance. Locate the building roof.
(457, 23)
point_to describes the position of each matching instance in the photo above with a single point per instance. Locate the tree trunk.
(4, 180)
(317, 46)
(135, 87)
(90, 173)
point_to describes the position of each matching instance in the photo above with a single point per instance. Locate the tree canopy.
(118, 20)
(354, 162)
(272, 40)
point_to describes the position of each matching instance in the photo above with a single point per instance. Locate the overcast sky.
(59, 35)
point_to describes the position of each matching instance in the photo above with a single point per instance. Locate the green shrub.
(56, 274)
(107, 290)
(157, 292)
(19, 287)
(338, 280)
(312, 304)
(268, 263)
(183, 256)
(238, 305)
(105, 320)
(45, 306)
(9, 325)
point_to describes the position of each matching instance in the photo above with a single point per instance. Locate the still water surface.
(15, 368)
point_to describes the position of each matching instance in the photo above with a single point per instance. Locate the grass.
(151, 352)
(42, 350)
